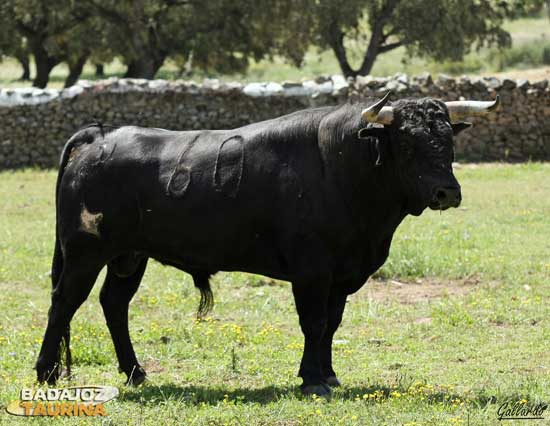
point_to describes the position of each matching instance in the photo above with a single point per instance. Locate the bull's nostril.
(445, 197)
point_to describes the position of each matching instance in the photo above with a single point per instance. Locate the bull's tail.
(57, 269)
(202, 282)
(86, 135)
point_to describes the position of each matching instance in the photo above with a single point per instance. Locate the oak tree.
(446, 29)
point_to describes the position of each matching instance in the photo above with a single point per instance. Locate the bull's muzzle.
(445, 197)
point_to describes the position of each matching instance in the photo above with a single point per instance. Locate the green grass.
(447, 359)
(531, 36)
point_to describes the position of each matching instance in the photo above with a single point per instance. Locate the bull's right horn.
(378, 113)
(459, 110)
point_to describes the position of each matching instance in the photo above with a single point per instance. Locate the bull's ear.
(372, 132)
(460, 126)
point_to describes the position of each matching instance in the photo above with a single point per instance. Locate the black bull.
(306, 198)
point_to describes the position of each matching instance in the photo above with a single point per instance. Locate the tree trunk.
(375, 47)
(44, 65)
(23, 60)
(145, 67)
(336, 41)
(75, 69)
(377, 38)
(372, 49)
(42, 74)
(157, 64)
(99, 70)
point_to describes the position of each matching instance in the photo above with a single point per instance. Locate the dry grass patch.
(419, 290)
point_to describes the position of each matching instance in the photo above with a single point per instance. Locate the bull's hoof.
(333, 381)
(321, 389)
(137, 378)
(135, 381)
(48, 375)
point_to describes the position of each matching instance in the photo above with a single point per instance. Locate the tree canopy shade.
(225, 35)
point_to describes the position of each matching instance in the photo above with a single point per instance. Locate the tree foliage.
(225, 35)
(219, 35)
(52, 31)
(446, 29)
(13, 44)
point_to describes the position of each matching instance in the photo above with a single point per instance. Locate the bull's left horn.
(378, 113)
(459, 110)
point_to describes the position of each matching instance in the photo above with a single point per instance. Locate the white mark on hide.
(89, 222)
(72, 154)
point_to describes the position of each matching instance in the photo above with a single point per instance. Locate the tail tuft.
(206, 303)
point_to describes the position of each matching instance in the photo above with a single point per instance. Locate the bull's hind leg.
(75, 282)
(115, 296)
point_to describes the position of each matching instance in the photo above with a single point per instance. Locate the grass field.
(456, 322)
(530, 36)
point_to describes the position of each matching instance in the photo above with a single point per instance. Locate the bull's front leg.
(311, 303)
(335, 310)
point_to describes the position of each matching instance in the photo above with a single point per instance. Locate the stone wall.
(35, 124)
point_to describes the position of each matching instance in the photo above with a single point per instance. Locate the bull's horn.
(459, 110)
(378, 113)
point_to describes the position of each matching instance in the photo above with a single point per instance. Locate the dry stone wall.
(35, 124)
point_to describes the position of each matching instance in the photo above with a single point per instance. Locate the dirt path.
(417, 291)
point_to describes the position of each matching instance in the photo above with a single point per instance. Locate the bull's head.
(421, 142)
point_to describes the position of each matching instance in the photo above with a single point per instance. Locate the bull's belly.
(210, 239)
(258, 255)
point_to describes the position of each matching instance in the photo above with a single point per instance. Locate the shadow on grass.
(151, 394)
